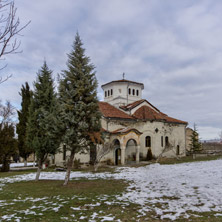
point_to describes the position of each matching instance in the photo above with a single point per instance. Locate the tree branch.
(10, 27)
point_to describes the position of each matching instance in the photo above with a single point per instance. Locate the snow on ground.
(179, 188)
(169, 190)
(12, 165)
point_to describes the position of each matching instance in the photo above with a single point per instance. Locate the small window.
(162, 141)
(111, 92)
(148, 141)
(64, 152)
(129, 91)
(137, 92)
(105, 93)
(133, 91)
(108, 92)
(178, 150)
(166, 141)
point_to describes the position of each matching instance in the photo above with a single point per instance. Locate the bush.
(77, 163)
(149, 154)
(109, 162)
(47, 162)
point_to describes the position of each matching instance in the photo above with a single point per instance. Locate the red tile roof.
(135, 104)
(173, 120)
(143, 113)
(148, 113)
(108, 110)
(123, 80)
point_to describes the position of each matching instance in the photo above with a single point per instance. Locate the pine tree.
(195, 145)
(24, 149)
(79, 111)
(41, 133)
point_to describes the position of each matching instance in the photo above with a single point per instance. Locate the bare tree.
(169, 147)
(7, 112)
(101, 151)
(10, 28)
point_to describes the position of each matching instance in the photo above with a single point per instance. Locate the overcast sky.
(173, 47)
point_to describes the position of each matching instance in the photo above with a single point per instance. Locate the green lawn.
(79, 201)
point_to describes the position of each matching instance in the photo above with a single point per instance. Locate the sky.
(173, 47)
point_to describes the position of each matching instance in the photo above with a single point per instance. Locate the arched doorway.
(131, 146)
(117, 152)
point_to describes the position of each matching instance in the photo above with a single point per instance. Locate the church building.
(134, 126)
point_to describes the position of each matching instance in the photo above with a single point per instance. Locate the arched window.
(137, 92)
(178, 150)
(133, 91)
(111, 92)
(108, 92)
(129, 91)
(105, 93)
(148, 141)
(167, 141)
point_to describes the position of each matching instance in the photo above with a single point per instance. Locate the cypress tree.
(41, 133)
(79, 111)
(24, 149)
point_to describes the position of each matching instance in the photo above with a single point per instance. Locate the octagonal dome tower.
(122, 92)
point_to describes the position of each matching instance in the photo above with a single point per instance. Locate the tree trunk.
(5, 165)
(38, 170)
(34, 160)
(93, 154)
(25, 162)
(96, 166)
(69, 167)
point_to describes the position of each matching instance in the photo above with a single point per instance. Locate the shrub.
(149, 154)
(77, 163)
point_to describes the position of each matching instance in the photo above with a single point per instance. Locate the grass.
(14, 173)
(51, 201)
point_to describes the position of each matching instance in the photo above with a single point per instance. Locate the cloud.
(173, 47)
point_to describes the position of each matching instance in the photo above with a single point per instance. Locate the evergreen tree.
(41, 132)
(7, 140)
(7, 144)
(195, 145)
(79, 111)
(24, 149)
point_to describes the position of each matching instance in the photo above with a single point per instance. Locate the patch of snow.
(94, 215)
(92, 205)
(218, 215)
(8, 217)
(56, 209)
(13, 165)
(107, 218)
(75, 208)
